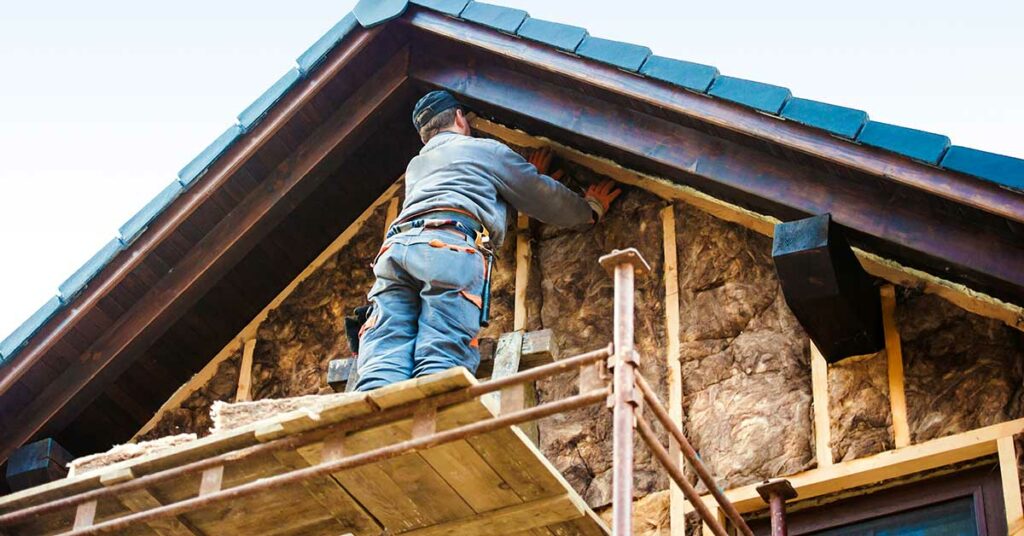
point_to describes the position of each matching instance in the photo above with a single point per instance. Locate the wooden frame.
(820, 396)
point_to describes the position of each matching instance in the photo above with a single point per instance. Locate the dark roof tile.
(625, 56)
(500, 18)
(757, 95)
(1005, 170)
(198, 165)
(255, 111)
(21, 334)
(318, 50)
(137, 223)
(561, 36)
(694, 76)
(917, 144)
(838, 120)
(371, 13)
(78, 280)
(448, 7)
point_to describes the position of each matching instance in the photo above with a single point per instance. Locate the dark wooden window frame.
(982, 484)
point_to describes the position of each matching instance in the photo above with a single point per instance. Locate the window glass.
(950, 518)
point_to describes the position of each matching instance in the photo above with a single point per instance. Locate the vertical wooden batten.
(894, 353)
(677, 514)
(526, 394)
(394, 207)
(1010, 477)
(244, 393)
(822, 422)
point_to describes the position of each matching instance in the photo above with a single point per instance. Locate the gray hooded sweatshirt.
(482, 177)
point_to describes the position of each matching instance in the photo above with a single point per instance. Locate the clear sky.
(102, 102)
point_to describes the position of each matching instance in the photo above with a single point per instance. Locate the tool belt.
(465, 224)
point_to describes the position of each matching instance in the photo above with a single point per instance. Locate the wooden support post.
(822, 423)
(244, 393)
(677, 516)
(897, 394)
(525, 394)
(1009, 473)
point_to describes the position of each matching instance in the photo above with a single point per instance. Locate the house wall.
(746, 385)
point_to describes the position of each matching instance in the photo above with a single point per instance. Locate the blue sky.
(102, 102)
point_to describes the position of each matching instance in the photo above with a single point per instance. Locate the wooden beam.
(911, 227)
(1009, 473)
(677, 516)
(681, 105)
(917, 458)
(892, 271)
(523, 258)
(894, 354)
(244, 393)
(249, 331)
(822, 423)
(214, 255)
(169, 222)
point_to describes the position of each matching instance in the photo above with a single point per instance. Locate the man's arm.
(536, 194)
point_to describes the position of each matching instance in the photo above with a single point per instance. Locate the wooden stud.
(392, 214)
(966, 298)
(85, 514)
(894, 353)
(523, 258)
(249, 331)
(1010, 476)
(244, 393)
(822, 423)
(677, 516)
(212, 480)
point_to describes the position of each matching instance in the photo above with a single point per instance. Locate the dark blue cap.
(430, 105)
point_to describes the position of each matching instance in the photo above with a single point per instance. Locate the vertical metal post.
(776, 493)
(623, 265)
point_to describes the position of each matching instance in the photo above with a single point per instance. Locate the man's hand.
(541, 159)
(600, 197)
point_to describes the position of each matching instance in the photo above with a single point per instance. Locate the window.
(967, 503)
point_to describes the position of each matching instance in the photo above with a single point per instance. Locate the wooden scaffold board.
(492, 483)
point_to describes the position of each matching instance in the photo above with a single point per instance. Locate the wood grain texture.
(822, 423)
(674, 377)
(894, 353)
(245, 372)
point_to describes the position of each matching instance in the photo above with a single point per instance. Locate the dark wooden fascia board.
(212, 257)
(942, 244)
(170, 221)
(968, 191)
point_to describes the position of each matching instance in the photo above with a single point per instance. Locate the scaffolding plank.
(534, 514)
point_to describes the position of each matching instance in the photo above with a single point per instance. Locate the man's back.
(481, 177)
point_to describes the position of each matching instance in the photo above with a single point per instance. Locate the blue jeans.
(425, 308)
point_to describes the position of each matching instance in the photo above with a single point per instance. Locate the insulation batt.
(858, 391)
(745, 368)
(962, 371)
(193, 415)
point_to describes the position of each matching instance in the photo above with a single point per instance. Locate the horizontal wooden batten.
(215, 254)
(918, 458)
(965, 190)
